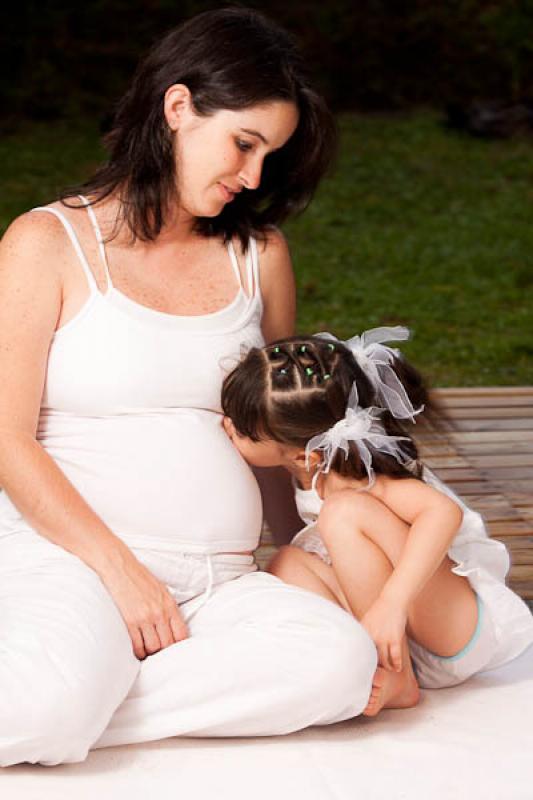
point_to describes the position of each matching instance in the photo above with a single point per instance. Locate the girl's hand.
(150, 612)
(386, 625)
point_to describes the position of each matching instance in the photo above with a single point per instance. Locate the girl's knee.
(349, 501)
(285, 560)
(344, 508)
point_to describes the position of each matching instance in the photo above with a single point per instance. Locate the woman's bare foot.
(392, 690)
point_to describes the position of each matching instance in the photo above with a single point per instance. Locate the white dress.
(484, 561)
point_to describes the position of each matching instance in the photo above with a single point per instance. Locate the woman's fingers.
(179, 628)
(152, 643)
(151, 613)
(164, 632)
(149, 639)
(137, 642)
(172, 630)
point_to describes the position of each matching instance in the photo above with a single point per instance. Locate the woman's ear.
(177, 105)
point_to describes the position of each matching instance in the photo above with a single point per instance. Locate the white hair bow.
(375, 359)
(361, 426)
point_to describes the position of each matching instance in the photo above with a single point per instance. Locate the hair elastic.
(375, 360)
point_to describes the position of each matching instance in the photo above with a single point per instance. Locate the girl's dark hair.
(296, 388)
(229, 58)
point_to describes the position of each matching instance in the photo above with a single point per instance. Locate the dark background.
(59, 59)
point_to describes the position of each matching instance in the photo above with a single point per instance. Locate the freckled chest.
(192, 279)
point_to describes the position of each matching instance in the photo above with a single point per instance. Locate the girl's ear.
(301, 462)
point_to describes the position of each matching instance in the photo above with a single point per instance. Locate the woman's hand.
(386, 623)
(150, 612)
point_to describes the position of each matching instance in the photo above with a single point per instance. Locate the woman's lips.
(226, 193)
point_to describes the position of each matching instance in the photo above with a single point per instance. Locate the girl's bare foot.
(392, 690)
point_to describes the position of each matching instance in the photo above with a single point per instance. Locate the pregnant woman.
(131, 608)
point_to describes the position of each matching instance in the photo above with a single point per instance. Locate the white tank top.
(131, 414)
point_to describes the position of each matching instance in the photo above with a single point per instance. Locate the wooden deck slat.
(500, 460)
(465, 437)
(444, 461)
(485, 401)
(496, 474)
(487, 449)
(494, 424)
(491, 430)
(483, 487)
(484, 391)
(502, 412)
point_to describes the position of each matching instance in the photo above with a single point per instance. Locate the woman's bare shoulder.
(274, 245)
(271, 244)
(33, 241)
(34, 227)
(275, 262)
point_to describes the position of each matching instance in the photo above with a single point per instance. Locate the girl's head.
(281, 396)
(183, 130)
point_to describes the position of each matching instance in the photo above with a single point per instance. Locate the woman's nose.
(251, 174)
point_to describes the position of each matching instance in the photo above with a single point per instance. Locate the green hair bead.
(331, 346)
(309, 371)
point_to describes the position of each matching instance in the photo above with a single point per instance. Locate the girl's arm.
(430, 519)
(434, 519)
(279, 299)
(35, 254)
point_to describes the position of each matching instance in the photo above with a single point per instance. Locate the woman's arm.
(33, 256)
(279, 298)
(434, 519)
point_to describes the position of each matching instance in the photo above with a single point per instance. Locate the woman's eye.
(244, 146)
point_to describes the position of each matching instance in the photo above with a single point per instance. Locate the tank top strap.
(234, 262)
(252, 267)
(75, 242)
(99, 239)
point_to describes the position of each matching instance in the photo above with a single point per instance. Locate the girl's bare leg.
(443, 617)
(295, 566)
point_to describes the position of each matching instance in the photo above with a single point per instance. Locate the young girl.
(385, 538)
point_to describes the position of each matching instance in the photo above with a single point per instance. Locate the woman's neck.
(178, 227)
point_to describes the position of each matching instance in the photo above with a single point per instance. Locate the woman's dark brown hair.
(297, 388)
(229, 58)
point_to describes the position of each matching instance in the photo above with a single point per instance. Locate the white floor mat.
(471, 742)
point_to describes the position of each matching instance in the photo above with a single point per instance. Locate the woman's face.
(219, 155)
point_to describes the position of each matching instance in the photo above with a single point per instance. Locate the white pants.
(262, 658)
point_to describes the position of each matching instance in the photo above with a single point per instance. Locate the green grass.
(417, 225)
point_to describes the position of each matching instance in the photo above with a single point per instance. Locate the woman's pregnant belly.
(166, 478)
